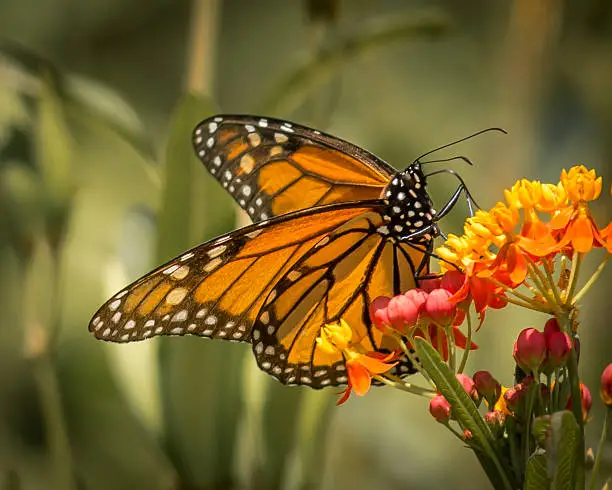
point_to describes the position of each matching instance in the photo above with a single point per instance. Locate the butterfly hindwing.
(337, 278)
(273, 167)
(216, 289)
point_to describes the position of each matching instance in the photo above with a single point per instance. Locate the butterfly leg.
(471, 202)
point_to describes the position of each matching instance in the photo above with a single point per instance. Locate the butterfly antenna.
(418, 160)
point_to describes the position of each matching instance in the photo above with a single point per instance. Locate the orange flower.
(360, 365)
(360, 369)
(577, 229)
(479, 288)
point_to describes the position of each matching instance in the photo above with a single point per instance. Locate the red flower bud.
(439, 308)
(429, 284)
(406, 310)
(550, 327)
(585, 400)
(378, 312)
(487, 386)
(468, 385)
(452, 281)
(606, 386)
(440, 409)
(530, 349)
(559, 346)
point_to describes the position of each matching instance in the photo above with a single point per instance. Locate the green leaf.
(540, 429)
(536, 477)
(54, 156)
(200, 380)
(174, 235)
(280, 425)
(562, 450)
(464, 409)
(96, 100)
(293, 89)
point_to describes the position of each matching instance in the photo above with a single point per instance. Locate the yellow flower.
(581, 184)
(552, 198)
(335, 337)
(530, 195)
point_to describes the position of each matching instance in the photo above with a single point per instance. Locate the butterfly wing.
(217, 288)
(337, 278)
(273, 167)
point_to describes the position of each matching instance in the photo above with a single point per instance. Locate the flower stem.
(400, 384)
(576, 261)
(591, 281)
(551, 280)
(576, 396)
(529, 417)
(602, 442)
(530, 305)
(468, 343)
(540, 282)
(410, 355)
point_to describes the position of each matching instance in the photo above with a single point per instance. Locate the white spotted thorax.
(409, 208)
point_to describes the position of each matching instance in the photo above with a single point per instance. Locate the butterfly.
(334, 227)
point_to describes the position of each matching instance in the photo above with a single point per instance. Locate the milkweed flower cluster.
(526, 250)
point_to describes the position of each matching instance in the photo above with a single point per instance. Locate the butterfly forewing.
(273, 167)
(217, 288)
(337, 278)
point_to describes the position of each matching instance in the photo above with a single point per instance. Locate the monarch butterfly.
(334, 227)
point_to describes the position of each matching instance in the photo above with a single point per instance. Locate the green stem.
(411, 356)
(591, 281)
(40, 344)
(602, 442)
(574, 380)
(468, 344)
(528, 418)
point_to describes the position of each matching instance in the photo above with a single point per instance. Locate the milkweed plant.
(525, 252)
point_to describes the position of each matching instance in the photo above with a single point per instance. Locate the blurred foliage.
(98, 185)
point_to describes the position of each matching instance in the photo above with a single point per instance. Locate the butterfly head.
(409, 209)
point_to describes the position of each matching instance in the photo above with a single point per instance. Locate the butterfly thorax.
(409, 208)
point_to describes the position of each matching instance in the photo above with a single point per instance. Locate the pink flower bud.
(468, 385)
(559, 347)
(406, 310)
(467, 435)
(378, 312)
(530, 349)
(585, 401)
(513, 397)
(606, 386)
(494, 418)
(487, 386)
(440, 409)
(439, 308)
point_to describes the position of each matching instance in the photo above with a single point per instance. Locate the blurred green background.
(98, 184)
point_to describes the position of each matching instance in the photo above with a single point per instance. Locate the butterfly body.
(334, 227)
(409, 213)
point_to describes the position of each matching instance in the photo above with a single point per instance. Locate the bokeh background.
(98, 184)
